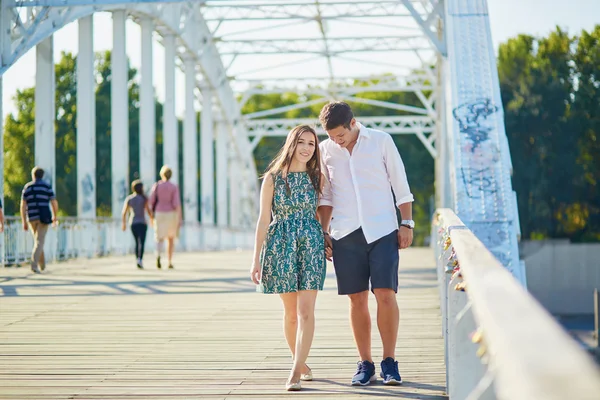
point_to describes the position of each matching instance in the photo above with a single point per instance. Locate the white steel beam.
(147, 108)
(385, 104)
(338, 45)
(222, 141)
(190, 145)
(422, 126)
(170, 134)
(86, 121)
(5, 37)
(207, 159)
(119, 115)
(279, 10)
(45, 112)
(69, 3)
(235, 172)
(426, 24)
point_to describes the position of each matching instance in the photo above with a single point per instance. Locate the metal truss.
(23, 28)
(70, 3)
(423, 127)
(219, 10)
(314, 86)
(429, 20)
(209, 33)
(324, 46)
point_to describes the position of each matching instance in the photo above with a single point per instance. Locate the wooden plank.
(101, 329)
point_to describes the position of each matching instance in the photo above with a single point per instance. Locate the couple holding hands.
(334, 200)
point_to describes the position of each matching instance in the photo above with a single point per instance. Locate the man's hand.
(25, 226)
(328, 247)
(123, 226)
(405, 237)
(1, 226)
(54, 222)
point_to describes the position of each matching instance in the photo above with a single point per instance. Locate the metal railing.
(500, 343)
(86, 238)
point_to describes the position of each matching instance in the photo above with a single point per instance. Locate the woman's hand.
(123, 226)
(255, 273)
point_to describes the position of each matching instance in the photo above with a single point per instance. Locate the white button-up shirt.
(359, 185)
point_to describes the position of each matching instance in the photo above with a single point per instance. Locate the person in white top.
(362, 167)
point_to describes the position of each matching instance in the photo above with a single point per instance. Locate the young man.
(36, 199)
(362, 166)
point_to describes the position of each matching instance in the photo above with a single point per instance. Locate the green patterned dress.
(293, 254)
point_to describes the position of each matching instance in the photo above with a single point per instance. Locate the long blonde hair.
(281, 163)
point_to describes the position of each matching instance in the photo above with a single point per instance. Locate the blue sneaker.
(365, 373)
(389, 372)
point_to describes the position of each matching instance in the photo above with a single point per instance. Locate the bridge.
(472, 330)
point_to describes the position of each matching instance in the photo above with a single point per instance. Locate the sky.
(508, 18)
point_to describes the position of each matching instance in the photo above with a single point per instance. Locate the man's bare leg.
(360, 320)
(388, 317)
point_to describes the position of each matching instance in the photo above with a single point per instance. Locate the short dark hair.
(37, 172)
(334, 114)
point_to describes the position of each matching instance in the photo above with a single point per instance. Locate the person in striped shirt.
(36, 199)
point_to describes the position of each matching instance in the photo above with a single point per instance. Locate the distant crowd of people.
(39, 210)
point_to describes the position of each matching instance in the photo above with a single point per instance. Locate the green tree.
(583, 219)
(550, 94)
(19, 134)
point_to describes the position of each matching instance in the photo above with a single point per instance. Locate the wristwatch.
(409, 223)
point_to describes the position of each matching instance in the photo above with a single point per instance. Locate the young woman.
(289, 251)
(137, 203)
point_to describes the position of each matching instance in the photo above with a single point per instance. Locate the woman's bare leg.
(306, 331)
(170, 248)
(290, 322)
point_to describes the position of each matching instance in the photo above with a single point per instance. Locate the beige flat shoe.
(307, 376)
(293, 386)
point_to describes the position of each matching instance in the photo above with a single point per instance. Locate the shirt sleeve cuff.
(406, 199)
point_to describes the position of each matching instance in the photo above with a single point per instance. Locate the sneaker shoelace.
(362, 367)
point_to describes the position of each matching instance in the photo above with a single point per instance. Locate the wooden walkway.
(101, 329)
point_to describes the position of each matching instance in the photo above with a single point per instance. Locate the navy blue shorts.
(357, 262)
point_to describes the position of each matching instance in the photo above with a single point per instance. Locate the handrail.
(75, 237)
(528, 355)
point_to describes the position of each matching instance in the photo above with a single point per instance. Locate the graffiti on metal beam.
(478, 181)
(472, 117)
(87, 189)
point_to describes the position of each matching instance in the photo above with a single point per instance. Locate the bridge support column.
(483, 196)
(119, 115)
(190, 146)
(235, 181)
(86, 121)
(45, 114)
(170, 130)
(442, 161)
(1, 160)
(147, 109)
(222, 140)
(207, 160)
